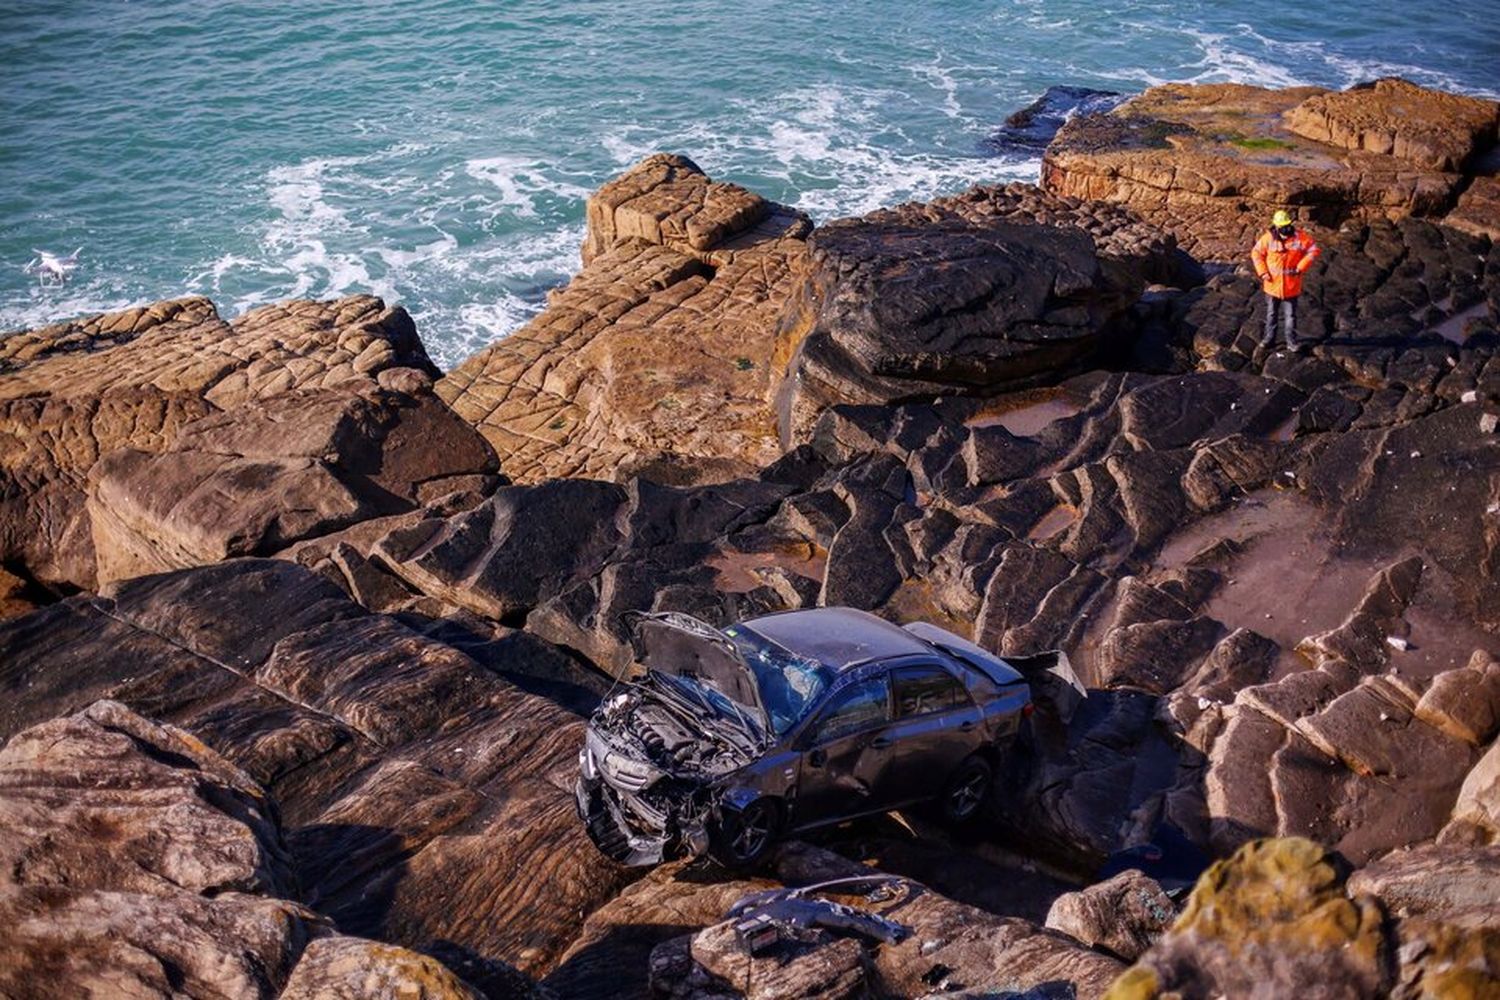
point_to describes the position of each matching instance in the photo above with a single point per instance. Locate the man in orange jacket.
(1282, 256)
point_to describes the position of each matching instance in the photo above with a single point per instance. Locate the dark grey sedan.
(737, 736)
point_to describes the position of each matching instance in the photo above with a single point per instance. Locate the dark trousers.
(1288, 320)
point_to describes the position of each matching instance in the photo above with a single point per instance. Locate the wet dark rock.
(1029, 130)
(978, 293)
(1080, 782)
(982, 308)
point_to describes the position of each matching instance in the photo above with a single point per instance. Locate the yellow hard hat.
(1281, 218)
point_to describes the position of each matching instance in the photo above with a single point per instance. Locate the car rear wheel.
(967, 790)
(745, 835)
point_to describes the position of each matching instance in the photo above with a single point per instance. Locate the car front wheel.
(967, 790)
(745, 835)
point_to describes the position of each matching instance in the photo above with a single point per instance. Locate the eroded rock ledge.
(1211, 162)
(336, 619)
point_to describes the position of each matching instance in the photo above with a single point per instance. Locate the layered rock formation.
(661, 354)
(138, 862)
(993, 289)
(1211, 162)
(346, 621)
(128, 382)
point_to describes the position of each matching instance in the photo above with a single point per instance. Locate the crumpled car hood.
(680, 645)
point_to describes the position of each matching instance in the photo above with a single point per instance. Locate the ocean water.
(438, 152)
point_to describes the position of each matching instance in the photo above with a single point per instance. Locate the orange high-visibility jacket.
(1280, 264)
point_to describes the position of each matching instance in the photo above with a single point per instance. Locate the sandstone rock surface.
(387, 751)
(1210, 162)
(1123, 915)
(73, 392)
(1023, 416)
(661, 353)
(140, 863)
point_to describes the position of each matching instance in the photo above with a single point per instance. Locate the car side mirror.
(817, 757)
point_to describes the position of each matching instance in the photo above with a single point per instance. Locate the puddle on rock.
(1057, 519)
(737, 570)
(1452, 328)
(1025, 414)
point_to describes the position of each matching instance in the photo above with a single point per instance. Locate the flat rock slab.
(1454, 885)
(1211, 162)
(1431, 128)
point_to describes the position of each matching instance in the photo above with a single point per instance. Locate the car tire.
(742, 837)
(964, 797)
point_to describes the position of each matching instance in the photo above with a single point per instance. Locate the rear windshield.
(789, 684)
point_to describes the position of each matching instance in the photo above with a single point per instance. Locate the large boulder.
(252, 482)
(348, 968)
(660, 354)
(971, 295)
(1273, 920)
(1122, 915)
(1476, 811)
(73, 392)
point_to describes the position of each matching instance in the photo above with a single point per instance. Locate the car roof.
(839, 638)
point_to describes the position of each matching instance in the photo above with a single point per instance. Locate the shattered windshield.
(788, 683)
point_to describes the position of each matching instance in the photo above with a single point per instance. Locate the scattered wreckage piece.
(734, 737)
(764, 919)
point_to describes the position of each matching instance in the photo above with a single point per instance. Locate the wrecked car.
(735, 737)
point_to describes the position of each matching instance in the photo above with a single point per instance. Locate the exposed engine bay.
(660, 756)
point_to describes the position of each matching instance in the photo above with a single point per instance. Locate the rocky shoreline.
(299, 632)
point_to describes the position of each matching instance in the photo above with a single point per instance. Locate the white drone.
(50, 269)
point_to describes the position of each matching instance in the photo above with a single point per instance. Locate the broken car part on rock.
(764, 919)
(794, 720)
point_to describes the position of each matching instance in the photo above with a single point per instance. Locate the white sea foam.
(520, 180)
(836, 154)
(942, 80)
(1226, 60)
(43, 306)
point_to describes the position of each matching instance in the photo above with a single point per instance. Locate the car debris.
(733, 738)
(764, 919)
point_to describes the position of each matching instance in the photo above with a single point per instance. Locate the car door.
(935, 725)
(845, 753)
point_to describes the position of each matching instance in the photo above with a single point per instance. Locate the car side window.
(856, 707)
(925, 689)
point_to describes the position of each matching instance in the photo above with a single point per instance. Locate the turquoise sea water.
(438, 152)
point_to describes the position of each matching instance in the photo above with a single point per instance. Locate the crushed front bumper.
(599, 808)
(629, 830)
